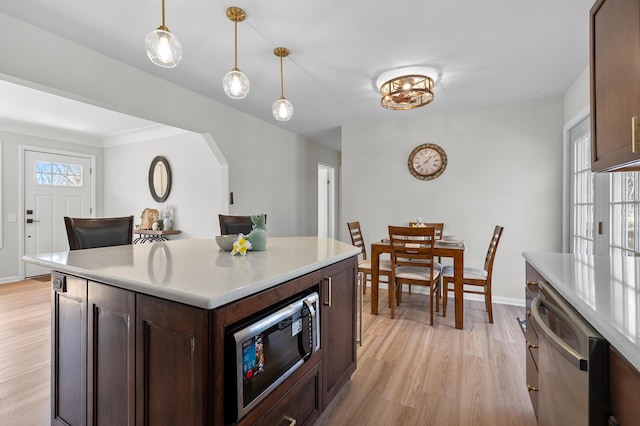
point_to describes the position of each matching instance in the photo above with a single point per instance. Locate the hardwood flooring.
(409, 373)
(25, 353)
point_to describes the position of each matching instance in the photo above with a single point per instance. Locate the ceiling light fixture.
(235, 83)
(406, 92)
(282, 108)
(163, 48)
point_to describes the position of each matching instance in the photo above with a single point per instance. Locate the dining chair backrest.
(84, 233)
(356, 237)
(493, 247)
(439, 227)
(230, 224)
(412, 246)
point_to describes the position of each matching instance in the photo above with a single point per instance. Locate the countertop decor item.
(258, 237)
(241, 246)
(225, 242)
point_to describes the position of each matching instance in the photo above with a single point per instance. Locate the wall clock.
(427, 161)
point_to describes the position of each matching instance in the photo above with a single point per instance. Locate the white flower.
(242, 245)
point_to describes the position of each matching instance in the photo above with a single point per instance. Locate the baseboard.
(7, 280)
(496, 299)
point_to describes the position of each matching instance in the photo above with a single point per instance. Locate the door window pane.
(58, 174)
(624, 207)
(582, 201)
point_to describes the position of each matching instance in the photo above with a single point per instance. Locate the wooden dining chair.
(364, 264)
(439, 229)
(474, 276)
(84, 232)
(412, 263)
(230, 224)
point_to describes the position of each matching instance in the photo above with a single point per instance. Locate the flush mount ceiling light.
(163, 48)
(407, 88)
(235, 83)
(282, 108)
(406, 92)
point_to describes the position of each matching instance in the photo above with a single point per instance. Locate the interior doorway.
(55, 184)
(326, 201)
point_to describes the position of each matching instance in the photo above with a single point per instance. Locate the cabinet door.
(338, 326)
(68, 350)
(624, 388)
(111, 355)
(171, 363)
(615, 83)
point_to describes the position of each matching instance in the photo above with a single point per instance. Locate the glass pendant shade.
(236, 84)
(282, 110)
(163, 48)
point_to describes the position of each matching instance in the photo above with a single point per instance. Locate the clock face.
(427, 161)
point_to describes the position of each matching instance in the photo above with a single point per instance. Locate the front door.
(55, 185)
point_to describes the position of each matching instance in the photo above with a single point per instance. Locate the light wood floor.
(409, 373)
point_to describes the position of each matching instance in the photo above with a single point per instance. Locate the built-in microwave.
(261, 352)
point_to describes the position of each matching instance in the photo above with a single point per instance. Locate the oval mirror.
(159, 179)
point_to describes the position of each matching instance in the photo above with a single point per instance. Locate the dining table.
(454, 250)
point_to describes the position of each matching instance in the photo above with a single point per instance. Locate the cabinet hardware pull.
(634, 125)
(329, 291)
(531, 283)
(531, 388)
(528, 313)
(291, 421)
(532, 346)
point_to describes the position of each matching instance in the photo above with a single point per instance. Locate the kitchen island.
(138, 331)
(605, 291)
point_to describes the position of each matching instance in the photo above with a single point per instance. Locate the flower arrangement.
(241, 246)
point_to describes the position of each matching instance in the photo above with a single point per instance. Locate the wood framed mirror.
(160, 179)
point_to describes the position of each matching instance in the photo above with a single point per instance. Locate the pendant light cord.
(163, 24)
(235, 45)
(281, 80)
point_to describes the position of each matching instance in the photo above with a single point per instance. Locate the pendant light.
(235, 83)
(282, 108)
(163, 48)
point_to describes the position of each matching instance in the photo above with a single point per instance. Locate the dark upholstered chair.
(235, 224)
(84, 233)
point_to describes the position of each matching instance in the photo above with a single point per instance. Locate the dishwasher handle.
(573, 356)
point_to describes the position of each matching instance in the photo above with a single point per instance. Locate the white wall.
(577, 97)
(270, 170)
(196, 182)
(504, 167)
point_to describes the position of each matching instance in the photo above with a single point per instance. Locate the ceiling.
(485, 52)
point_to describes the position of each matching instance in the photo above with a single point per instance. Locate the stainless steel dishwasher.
(572, 364)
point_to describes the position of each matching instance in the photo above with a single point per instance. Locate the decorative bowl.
(444, 237)
(225, 242)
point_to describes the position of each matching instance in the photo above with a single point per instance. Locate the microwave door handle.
(554, 340)
(312, 315)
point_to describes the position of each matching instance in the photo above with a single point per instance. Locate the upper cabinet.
(615, 85)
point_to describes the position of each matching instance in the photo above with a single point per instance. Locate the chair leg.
(431, 304)
(409, 288)
(488, 302)
(367, 277)
(392, 298)
(445, 296)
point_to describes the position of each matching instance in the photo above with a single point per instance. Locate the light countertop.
(196, 272)
(604, 290)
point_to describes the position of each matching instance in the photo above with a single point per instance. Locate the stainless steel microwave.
(263, 351)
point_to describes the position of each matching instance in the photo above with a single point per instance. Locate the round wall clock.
(427, 161)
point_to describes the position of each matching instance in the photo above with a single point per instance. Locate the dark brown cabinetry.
(615, 85)
(121, 357)
(338, 329)
(531, 291)
(68, 351)
(624, 388)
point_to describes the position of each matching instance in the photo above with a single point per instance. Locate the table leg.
(458, 274)
(375, 275)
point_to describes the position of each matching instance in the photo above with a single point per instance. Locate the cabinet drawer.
(302, 403)
(624, 388)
